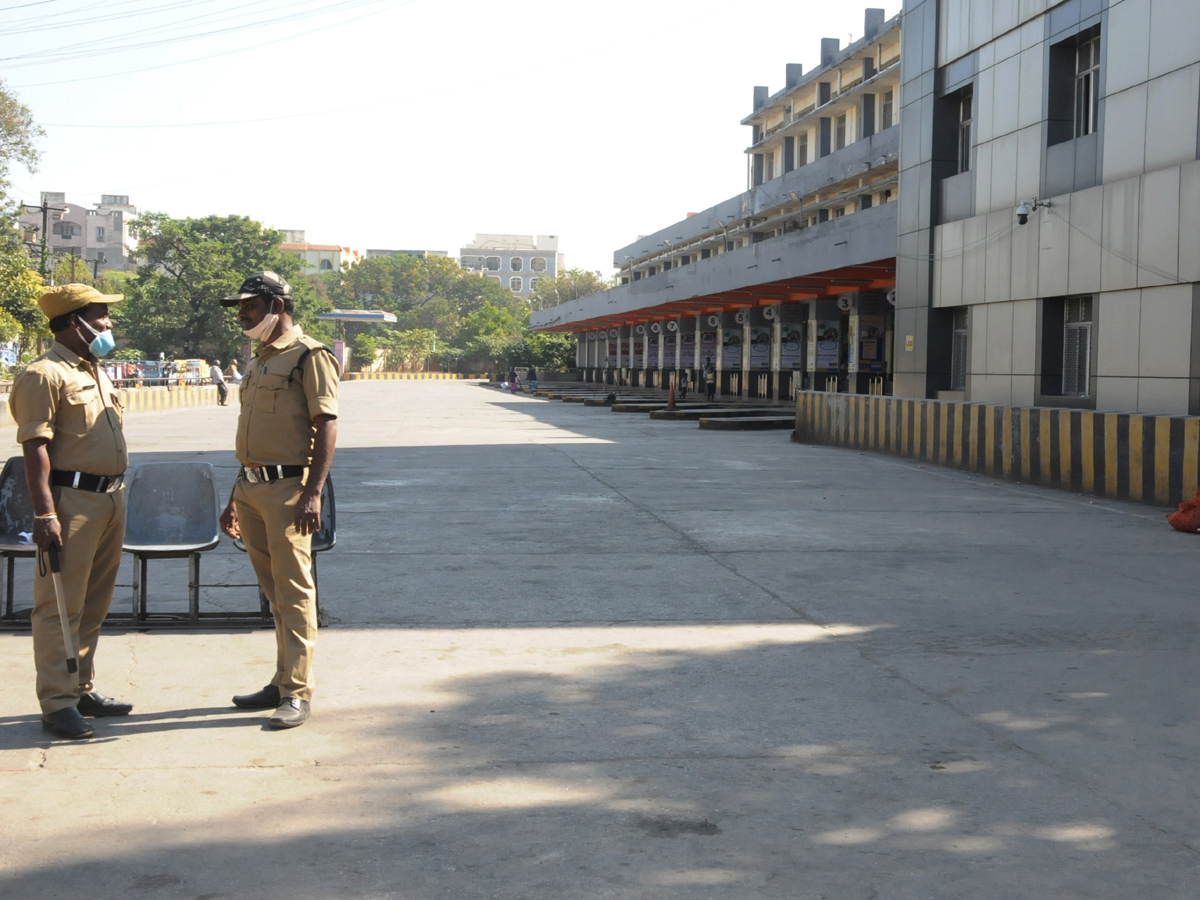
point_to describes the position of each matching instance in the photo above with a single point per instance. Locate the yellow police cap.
(69, 297)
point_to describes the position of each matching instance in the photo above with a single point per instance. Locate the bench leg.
(133, 605)
(142, 595)
(10, 569)
(194, 588)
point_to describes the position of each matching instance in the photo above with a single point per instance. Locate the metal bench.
(172, 514)
(16, 521)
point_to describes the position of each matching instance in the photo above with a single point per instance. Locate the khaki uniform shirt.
(72, 402)
(275, 427)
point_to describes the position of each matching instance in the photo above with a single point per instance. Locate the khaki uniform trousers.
(93, 529)
(282, 560)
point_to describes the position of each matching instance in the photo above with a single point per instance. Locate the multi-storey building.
(786, 285)
(516, 261)
(1050, 204)
(318, 258)
(97, 236)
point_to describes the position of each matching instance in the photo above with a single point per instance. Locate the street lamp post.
(46, 209)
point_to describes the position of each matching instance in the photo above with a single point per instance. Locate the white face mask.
(263, 329)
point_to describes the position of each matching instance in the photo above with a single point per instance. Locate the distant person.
(710, 380)
(532, 378)
(232, 373)
(217, 377)
(514, 380)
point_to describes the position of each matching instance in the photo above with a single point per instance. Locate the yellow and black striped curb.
(1143, 458)
(406, 376)
(147, 399)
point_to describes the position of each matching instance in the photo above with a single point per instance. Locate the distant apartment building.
(98, 234)
(317, 258)
(514, 261)
(419, 254)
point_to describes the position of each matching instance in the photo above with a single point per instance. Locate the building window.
(1077, 346)
(966, 102)
(886, 111)
(839, 212)
(801, 149)
(66, 229)
(472, 262)
(533, 283)
(325, 266)
(537, 264)
(1087, 84)
(516, 284)
(99, 234)
(839, 134)
(1073, 101)
(516, 264)
(958, 350)
(492, 263)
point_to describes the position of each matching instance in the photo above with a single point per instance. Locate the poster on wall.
(687, 350)
(669, 352)
(829, 345)
(708, 348)
(610, 354)
(791, 348)
(760, 347)
(652, 353)
(870, 343)
(639, 358)
(731, 350)
(623, 354)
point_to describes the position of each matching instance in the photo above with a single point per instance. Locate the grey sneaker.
(292, 711)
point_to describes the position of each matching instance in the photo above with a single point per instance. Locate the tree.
(20, 288)
(569, 285)
(173, 304)
(550, 352)
(18, 135)
(409, 351)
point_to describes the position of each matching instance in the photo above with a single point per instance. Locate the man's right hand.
(47, 533)
(229, 521)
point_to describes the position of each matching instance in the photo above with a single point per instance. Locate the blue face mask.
(102, 342)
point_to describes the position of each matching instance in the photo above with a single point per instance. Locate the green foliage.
(364, 349)
(173, 304)
(18, 135)
(409, 351)
(129, 354)
(20, 288)
(569, 285)
(549, 352)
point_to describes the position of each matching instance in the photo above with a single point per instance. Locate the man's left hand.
(308, 514)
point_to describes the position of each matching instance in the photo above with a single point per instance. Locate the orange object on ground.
(1187, 517)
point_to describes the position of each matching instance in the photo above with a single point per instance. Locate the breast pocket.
(271, 393)
(80, 411)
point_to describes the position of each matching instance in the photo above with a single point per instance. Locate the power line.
(182, 62)
(76, 51)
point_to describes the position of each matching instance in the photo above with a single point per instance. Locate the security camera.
(1022, 214)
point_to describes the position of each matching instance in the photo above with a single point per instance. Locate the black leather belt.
(97, 484)
(267, 474)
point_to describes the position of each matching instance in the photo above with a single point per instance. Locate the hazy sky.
(407, 123)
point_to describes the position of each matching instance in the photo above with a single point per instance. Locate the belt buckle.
(251, 474)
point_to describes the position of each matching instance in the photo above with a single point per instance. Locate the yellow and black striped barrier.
(147, 399)
(1123, 456)
(407, 376)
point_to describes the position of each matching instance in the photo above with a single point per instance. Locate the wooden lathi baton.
(56, 577)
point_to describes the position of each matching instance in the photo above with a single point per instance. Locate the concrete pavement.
(581, 654)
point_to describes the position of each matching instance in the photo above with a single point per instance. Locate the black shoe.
(267, 698)
(292, 711)
(96, 704)
(68, 723)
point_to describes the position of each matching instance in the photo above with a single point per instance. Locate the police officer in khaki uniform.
(69, 427)
(286, 434)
